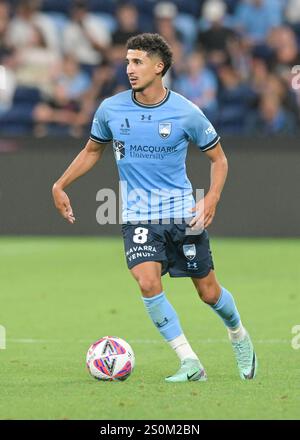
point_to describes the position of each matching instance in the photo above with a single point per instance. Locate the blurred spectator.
(255, 18)
(279, 87)
(292, 11)
(165, 14)
(198, 84)
(71, 83)
(284, 44)
(263, 80)
(164, 22)
(86, 37)
(239, 57)
(5, 47)
(7, 93)
(292, 16)
(230, 58)
(178, 67)
(146, 13)
(271, 118)
(235, 99)
(128, 25)
(8, 82)
(259, 75)
(216, 38)
(24, 23)
(37, 63)
(75, 100)
(51, 120)
(104, 84)
(186, 21)
(63, 106)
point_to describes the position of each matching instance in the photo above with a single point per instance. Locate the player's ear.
(159, 67)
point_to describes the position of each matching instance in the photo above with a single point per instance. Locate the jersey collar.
(151, 105)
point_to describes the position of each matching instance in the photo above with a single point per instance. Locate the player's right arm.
(86, 159)
(82, 163)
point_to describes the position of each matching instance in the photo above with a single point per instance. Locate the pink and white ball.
(110, 359)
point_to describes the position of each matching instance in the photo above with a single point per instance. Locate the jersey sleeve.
(199, 130)
(100, 131)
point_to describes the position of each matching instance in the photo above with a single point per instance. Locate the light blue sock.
(226, 309)
(163, 316)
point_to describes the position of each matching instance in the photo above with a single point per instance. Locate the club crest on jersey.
(119, 149)
(189, 251)
(164, 129)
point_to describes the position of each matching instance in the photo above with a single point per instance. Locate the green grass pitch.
(58, 295)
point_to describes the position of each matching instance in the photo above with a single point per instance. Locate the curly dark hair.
(153, 44)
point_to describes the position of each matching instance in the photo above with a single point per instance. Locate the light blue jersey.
(150, 146)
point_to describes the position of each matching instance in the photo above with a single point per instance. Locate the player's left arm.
(205, 212)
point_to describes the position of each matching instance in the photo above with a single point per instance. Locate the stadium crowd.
(232, 58)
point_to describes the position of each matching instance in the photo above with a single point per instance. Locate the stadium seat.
(27, 96)
(21, 113)
(102, 6)
(62, 6)
(234, 105)
(231, 119)
(231, 5)
(191, 7)
(17, 121)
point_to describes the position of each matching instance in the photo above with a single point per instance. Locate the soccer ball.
(110, 358)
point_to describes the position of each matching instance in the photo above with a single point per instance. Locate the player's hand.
(62, 203)
(205, 212)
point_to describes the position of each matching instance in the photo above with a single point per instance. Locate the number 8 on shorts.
(140, 235)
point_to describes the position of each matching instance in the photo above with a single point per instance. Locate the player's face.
(142, 70)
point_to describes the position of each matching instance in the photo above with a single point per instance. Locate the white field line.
(138, 341)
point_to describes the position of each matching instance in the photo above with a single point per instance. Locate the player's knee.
(209, 292)
(149, 286)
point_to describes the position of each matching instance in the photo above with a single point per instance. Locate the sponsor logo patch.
(210, 130)
(119, 149)
(192, 266)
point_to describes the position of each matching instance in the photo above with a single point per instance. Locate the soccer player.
(150, 127)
